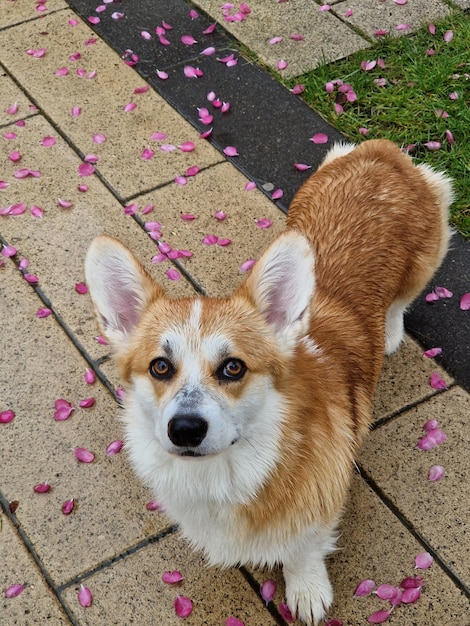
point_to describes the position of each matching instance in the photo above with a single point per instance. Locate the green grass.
(404, 110)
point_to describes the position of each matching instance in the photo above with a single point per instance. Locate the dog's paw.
(308, 598)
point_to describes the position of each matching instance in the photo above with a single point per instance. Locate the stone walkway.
(65, 95)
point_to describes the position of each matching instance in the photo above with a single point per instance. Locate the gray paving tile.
(326, 38)
(39, 366)
(132, 592)
(14, 105)
(439, 511)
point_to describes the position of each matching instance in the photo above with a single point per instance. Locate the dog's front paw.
(308, 596)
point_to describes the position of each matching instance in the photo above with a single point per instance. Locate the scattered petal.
(411, 582)
(431, 297)
(187, 146)
(224, 242)
(114, 447)
(319, 138)
(465, 302)
(379, 617)
(386, 592)
(298, 89)
(302, 167)
(147, 154)
(430, 425)
(210, 240)
(183, 606)
(432, 29)
(432, 439)
(333, 622)
(364, 588)
(285, 612)
(173, 274)
(14, 590)
(172, 578)
(129, 107)
(411, 595)
(423, 560)
(247, 265)
(264, 222)
(250, 186)
(32, 279)
(400, 27)
(449, 137)
(81, 288)
(448, 36)
(161, 74)
(64, 204)
(436, 472)
(281, 65)
(84, 596)
(153, 505)
(220, 215)
(233, 621)
(433, 145)
(230, 151)
(42, 488)
(442, 292)
(268, 589)
(63, 410)
(278, 193)
(68, 506)
(87, 403)
(188, 40)
(43, 312)
(437, 382)
(192, 72)
(432, 352)
(86, 169)
(8, 251)
(7, 416)
(84, 455)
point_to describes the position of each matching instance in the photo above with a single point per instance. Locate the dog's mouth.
(196, 454)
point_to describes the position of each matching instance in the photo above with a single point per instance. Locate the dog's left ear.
(282, 284)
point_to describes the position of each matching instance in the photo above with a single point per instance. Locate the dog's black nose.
(187, 430)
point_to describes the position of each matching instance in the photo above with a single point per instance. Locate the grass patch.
(415, 85)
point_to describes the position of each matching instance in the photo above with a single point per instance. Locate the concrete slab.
(102, 100)
(373, 544)
(11, 97)
(405, 379)
(371, 16)
(439, 510)
(219, 188)
(17, 11)
(110, 512)
(56, 244)
(326, 38)
(36, 604)
(131, 591)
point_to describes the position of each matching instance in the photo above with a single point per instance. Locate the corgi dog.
(244, 413)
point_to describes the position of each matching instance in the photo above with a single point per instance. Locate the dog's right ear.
(120, 288)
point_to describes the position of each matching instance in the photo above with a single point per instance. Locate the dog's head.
(204, 371)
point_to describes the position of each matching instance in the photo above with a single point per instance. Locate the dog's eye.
(231, 369)
(161, 369)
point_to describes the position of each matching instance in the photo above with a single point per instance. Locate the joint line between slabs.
(5, 505)
(458, 582)
(118, 557)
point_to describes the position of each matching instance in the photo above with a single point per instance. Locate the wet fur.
(312, 322)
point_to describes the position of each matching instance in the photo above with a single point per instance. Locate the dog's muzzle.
(187, 431)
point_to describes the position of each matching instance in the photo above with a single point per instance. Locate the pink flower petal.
(153, 505)
(436, 472)
(76, 111)
(192, 171)
(85, 597)
(412, 582)
(181, 180)
(224, 242)
(285, 612)
(364, 588)
(333, 622)
(449, 137)
(188, 217)
(465, 302)
(442, 292)
(275, 40)
(68, 506)
(14, 590)
(233, 621)
(114, 447)
(13, 109)
(264, 222)
(89, 376)
(432, 145)
(188, 40)
(230, 151)
(437, 382)
(430, 425)
(8, 251)
(32, 279)
(247, 265)
(183, 606)
(42, 488)
(432, 439)
(319, 138)
(448, 36)
(432, 352)
(400, 1)
(379, 617)
(432, 29)
(192, 72)
(411, 595)
(171, 578)
(208, 51)
(173, 274)
(431, 297)
(278, 193)
(7, 416)
(187, 146)
(86, 169)
(161, 74)
(87, 403)
(324, 7)
(147, 154)
(220, 215)
(267, 591)
(386, 592)
(129, 107)
(64, 204)
(63, 410)
(43, 312)
(281, 65)
(454, 95)
(210, 29)
(250, 186)
(423, 560)
(84, 455)
(210, 240)
(167, 147)
(297, 89)
(81, 288)
(297, 37)
(401, 27)
(193, 14)
(348, 13)
(302, 167)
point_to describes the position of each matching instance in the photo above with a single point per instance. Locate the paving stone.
(439, 511)
(17, 11)
(110, 514)
(10, 95)
(326, 38)
(373, 544)
(131, 591)
(36, 605)
(102, 100)
(371, 16)
(220, 187)
(56, 244)
(405, 379)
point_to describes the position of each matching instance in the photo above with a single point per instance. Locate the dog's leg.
(394, 326)
(308, 590)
